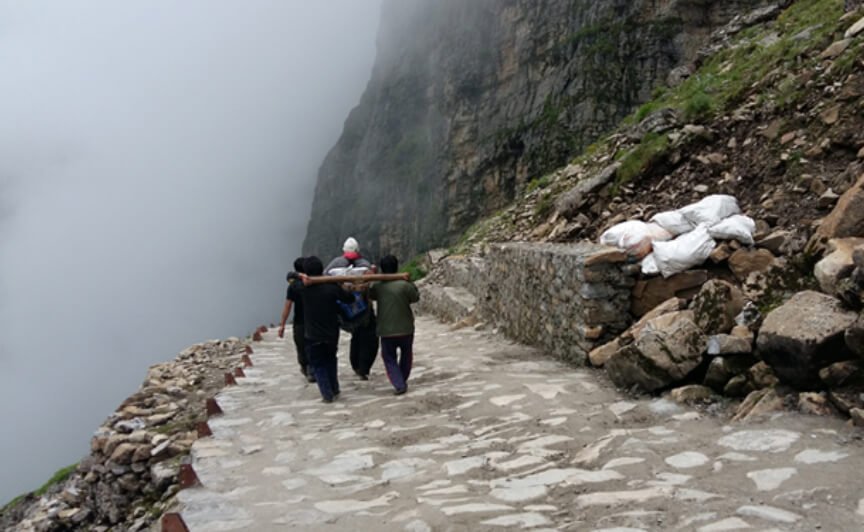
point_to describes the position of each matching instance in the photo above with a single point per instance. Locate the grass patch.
(414, 269)
(642, 157)
(544, 206)
(59, 476)
(540, 182)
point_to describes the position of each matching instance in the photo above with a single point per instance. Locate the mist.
(157, 165)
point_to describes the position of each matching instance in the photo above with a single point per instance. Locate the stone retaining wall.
(566, 298)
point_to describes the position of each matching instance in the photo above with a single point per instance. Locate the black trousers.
(364, 348)
(300, 345)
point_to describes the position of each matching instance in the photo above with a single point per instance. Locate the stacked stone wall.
(564, 298)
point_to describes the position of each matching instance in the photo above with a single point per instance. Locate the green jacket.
(394, 307)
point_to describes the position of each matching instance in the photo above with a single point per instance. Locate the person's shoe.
(400, 392)
(310, 378)
(327, 400)
(363, 377)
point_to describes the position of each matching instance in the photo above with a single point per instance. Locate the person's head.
(389, 264)
(298, 264)
(312, 266)
(351, 246)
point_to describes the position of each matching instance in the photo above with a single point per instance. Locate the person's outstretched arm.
(286, 311)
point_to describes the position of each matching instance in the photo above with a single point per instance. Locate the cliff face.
(470, 100)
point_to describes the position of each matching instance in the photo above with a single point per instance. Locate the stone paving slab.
(497, 436)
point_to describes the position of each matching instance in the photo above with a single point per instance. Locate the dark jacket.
(320, 311)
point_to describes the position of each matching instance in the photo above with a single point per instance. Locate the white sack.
(635, 237)
(737, 227)
(674, 222)
(711, 209)
(688, 250)
(649, 265)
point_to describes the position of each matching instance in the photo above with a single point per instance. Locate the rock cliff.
(470, 100)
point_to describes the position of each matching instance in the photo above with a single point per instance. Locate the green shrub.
(414, 269)
(698, 106)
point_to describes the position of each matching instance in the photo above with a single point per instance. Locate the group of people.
(318, 315)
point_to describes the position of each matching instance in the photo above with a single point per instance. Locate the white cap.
(351, 245)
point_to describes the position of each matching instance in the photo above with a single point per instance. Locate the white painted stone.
(462, 466)
(293, 483)
(619, 529)
(545, 390)
(815, 456)
(523, 520)
(535, 485)
(687, 459)
(417, 526)
(686, 521)
(505, 400)
(518, 463)
(771, 479)
(475, 508)
(730, 523)
(621, 407)
(770, 441)
(352, 505)
(611, 498)
(737, 457)
(591, 453)
(544, 441)
(554, 421)
(769, 513)
(669, 479)
(622, 462)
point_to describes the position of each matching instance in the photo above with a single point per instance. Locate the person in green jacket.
(395, 324)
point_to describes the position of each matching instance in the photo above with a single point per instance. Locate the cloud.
(157, 164)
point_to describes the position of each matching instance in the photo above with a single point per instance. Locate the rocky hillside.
(772, 113)
(471, 100)
(132, 473)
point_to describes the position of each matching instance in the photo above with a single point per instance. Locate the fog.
(157, 164)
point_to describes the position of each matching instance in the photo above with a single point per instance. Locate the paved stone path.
(495, 436)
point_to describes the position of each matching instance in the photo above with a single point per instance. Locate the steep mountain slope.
(470, 100)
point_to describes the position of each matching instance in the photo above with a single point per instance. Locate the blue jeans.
(398, 369)
(322, 359)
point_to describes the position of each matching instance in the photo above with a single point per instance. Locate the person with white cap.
(364, 338)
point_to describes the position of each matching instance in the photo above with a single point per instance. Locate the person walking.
(294, 298)
(364, 340)
(395, 324)
(321, 328)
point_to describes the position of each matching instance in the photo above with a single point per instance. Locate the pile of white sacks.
(674, 241)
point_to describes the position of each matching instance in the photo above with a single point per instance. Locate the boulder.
(759, 403)
(804, 335)
(857, 415)
(837, 264)
(716, 305)
(854, 337)
(723, 368)
(649, 293)
(761, 376)
(726, 344)
(814, 404)
(847, 217)
(663, 352)
(692, 394)
(738, 386)
(600, 355)
(775, 242)
(746, 261)
(842, 373)
(846, 400)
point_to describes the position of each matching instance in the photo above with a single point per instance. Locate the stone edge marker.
(173, 522)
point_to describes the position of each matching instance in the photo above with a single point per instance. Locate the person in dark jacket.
(321, 328)
(293, 298)
(395, 324)
(364, 340)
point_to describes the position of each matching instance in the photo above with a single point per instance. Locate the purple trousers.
(398, 366)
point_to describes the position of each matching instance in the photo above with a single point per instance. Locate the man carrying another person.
(321, 327)
(395, 324)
